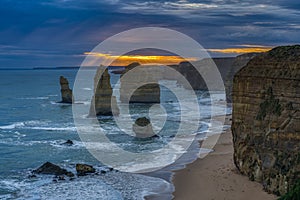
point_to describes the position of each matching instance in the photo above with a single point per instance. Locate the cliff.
(103, 103)
(191, 74)
(238, 63)
(266, 119)
(66, 92)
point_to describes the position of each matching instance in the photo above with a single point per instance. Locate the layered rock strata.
(66, 92)
(143, 128)
(238, 63)
(133, 89)
(266, 119)
(103, 102)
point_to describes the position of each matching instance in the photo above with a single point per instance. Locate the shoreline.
(216, 177)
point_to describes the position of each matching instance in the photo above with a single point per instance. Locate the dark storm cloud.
(57, 32)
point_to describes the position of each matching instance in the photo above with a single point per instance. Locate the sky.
(53, 33)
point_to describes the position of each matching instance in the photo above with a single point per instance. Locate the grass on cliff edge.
(294, 194)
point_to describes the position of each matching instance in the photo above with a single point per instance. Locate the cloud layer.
(57, 32)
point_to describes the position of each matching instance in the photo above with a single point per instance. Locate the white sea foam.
(38, 125)
(111, 186)
(54, 128)
(34, 98)
(13, 126)
(54, 143)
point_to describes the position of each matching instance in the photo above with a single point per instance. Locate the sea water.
(33, 128)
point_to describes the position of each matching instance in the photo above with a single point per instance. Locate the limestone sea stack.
(146, 93)
(103, 102)
(66, 92)
(143, 128)
(266, 119)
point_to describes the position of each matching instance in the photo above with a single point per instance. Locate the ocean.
(33, 128)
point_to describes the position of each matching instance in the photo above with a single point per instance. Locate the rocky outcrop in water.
(68, 143)
(84, 169)
(66, 92)
(143, 128)
(147, 93)
(266, 119)
(52, 169)
(103, 102)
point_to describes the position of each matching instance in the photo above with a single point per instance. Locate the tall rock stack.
(266, 119)
(148, 93)
(103, 103)
(66, 92)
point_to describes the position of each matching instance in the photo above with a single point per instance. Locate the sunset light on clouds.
(242, 49)
(60, 31)
(124, 60)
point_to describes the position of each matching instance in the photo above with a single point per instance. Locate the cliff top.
(288, 53)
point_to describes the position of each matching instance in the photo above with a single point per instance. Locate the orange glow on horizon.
(246, 49)
(125, 60)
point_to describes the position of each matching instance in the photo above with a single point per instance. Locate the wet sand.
(216, 178)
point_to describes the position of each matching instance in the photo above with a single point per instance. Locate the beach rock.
(83, 169)
(103, 102)
(52, 169)
(66, 92)
(143, 128)
(266, 119)
(146, 93)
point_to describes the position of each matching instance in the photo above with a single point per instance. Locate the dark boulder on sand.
(52, 169)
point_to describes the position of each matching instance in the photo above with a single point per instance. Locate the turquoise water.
(33, 127)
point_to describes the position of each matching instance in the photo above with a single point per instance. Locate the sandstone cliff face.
(66, 92)
(103, 103)
(149, 93)
(238, 63)
(266, 119)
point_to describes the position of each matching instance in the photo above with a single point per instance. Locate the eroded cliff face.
(238, 63)
(103, 102)
(195, 79)
(266, 119)
(66, 92)
(132, 92)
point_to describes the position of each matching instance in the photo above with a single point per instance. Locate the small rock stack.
(143, 128)
(66, 92)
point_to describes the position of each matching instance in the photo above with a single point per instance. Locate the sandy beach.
(216, 178)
